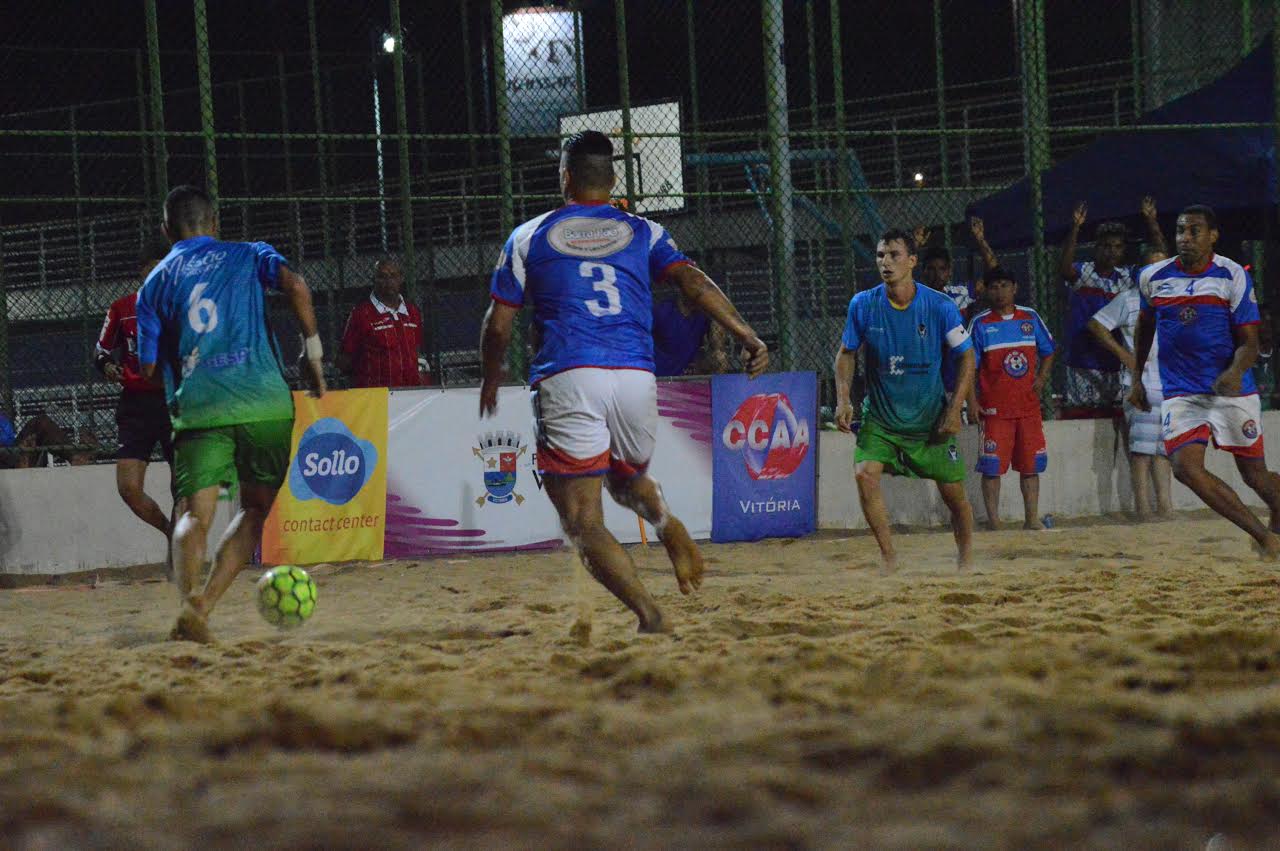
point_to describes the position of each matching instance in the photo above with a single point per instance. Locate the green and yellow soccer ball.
(286, 596)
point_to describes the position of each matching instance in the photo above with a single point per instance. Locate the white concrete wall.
(1088, 474)
(70, 519)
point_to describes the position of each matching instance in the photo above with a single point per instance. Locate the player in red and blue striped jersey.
(1203, 311)
(1015, 355)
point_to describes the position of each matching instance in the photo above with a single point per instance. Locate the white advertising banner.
(542, 68)
(457, 484)
(657, 165)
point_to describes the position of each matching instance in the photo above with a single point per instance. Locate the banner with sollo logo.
(332, 506)
(764, 459)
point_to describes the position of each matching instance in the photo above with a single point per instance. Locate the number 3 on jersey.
(202, 313)
(604, 280)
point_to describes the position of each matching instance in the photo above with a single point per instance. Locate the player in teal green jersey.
(203, 327)
(909, 427)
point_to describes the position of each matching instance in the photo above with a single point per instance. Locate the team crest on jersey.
(922, 330)
(588, 237)
(1250, 429)
(1015, 363)
(989, 446)
(1187, 315)
(498, 452)
(1028, 328)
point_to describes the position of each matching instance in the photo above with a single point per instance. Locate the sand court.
(1095, 686)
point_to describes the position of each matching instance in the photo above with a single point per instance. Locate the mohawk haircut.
(589, 157)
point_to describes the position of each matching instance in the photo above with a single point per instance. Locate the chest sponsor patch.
(585, 237)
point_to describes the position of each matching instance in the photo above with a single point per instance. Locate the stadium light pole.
(386, 44)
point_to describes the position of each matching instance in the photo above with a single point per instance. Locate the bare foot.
(1270, 547)
(686, 558)
(991, 525)
(654, 623)
(1033, 526)
(191, 626)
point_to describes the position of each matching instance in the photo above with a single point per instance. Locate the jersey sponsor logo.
(772, 439)
(1250, 429)
(227, 359)
(922, 330)
(1028, 328)
(1016, 364)
(498, 452)
(1187, 315)
(331, 464)
(584, 237)
(205, 262)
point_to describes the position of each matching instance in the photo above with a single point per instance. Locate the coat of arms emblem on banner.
(498, 452)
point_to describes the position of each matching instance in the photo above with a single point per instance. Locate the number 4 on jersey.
(606, 283)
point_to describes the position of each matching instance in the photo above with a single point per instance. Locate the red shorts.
(1018, 442)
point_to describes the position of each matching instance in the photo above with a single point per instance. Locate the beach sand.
(1094, 686)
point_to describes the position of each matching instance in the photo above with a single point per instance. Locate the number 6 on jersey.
(607, 284)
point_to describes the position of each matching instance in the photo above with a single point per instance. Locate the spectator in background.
(685, 340)
(1015, 356)
(383, 336)
(142, 417)
(37, 436)
(937, 267)
(1093, 372)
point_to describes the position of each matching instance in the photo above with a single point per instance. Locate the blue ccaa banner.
(764, 464)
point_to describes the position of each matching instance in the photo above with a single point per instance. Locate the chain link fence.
(775, 139)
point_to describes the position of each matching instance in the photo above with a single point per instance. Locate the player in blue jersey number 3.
(587, 270)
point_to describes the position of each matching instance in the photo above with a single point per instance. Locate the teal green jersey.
(904, 356)
(202, 317)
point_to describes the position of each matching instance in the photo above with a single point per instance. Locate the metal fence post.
(782, 251)
(243, 121)
(701, 183)
(1036, 115)
(206, 102)
(843, 174)
(144, 148)
(318, 105)
(1246, 27)
(1135, 53)
(402, 148)
(295, 214)
(506, 212)
(624, 97)
(6, 377)
(942, 102)
(157, 104)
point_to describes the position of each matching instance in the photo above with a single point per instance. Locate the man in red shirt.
(1015, 355)
(383, 335)
(142, 418)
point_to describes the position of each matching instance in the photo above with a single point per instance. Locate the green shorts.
(909, 455)
(251, 453)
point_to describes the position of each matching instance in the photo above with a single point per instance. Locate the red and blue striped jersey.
(1009, 348)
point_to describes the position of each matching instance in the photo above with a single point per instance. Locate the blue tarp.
(1232, 171)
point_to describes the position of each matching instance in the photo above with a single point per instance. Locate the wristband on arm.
(313, 348)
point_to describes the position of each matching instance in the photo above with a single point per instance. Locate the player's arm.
(1154, 237)
(495, 338)
(1066, 260)
(1144, 334)
(979, 231)
(703, 294)
(846, 366)
(108, 339)
(148, 337)
(1246, 355)
(966, 369)
(1102, 333)
(295, 289)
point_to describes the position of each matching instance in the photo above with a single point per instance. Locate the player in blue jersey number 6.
(908, 427)
(203, 327)
(587, 269)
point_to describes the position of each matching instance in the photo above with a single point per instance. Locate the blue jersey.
(905, 351)
(588, 271)
(1196, 316)
(202, 318)
(677, 337)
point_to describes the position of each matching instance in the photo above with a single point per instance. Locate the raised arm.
(979, 231)
(1066, 263)
(295, 289)
(703, 294)
(1154, 237)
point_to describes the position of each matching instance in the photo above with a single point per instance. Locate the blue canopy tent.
(1232, 171)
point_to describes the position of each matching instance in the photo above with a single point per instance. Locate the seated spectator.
(384, 335)
(685, 340)
(35, 436)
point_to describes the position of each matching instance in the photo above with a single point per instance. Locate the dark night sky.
(884, 53)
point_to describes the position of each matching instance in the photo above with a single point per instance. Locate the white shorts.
(1233, 422)
(1145, 428)
(591, 421)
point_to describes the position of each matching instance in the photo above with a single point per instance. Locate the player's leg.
(131, 473)
(1162, 482)
(1140, 474)
(632, 418)
(876, 453)
(1188, 468)
(998, 439)
(1030, 486)
(957, 501)
(1030, 459)
(579, 503)
(1236, 423)
(203, 460)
